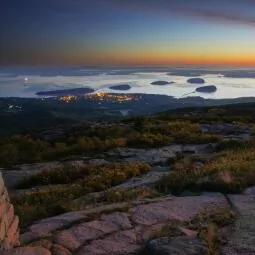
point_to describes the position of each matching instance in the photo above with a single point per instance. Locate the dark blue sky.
(127, 32)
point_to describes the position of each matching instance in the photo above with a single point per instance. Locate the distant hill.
(22, 114)
(66, 92)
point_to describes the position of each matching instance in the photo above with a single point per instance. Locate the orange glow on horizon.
(159, 58)
(234, 54)
(181, 56)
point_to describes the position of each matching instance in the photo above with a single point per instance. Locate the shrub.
(120, 195)
(234, 145)
(32, 206)
(146, 133)
(230, 171)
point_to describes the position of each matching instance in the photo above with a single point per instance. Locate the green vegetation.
(34, 205)
(111, 174)
(221, 217)
(208, 225)
(20, 148)
(243, 113)
(235, 145)
(177, 126)
(111, 196)
(123, 195)
(86, 141)
(228, 171)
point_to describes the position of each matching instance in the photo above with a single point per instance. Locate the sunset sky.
(127, 32)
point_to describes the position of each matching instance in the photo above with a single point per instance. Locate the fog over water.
(230, 83)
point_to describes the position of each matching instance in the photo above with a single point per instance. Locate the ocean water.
(25, 82)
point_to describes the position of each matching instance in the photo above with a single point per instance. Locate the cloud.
(231, 11)
(218, 16)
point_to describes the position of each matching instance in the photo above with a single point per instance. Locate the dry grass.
(228, 171)
(208, 224)
(32, 206)
(212, 239)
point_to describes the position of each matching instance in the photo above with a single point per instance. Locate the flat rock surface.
(176, 208)
(145, 180)
(99, 231)
(15, 175)
(158, 155)
(59, 250)
(27, 251)
(95, 232)
(122, 243)
(242, 240)
(250, 191)
(75, 236)
(50, 224)
(182, 245)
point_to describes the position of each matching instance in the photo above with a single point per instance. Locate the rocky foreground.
(188, 224)
(166, 225)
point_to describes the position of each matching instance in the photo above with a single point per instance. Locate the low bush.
(20, 149)
(121, 195)
(34, 205)
(230, 171)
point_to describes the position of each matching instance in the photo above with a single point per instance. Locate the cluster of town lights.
(102, 96)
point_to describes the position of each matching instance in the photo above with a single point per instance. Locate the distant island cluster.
(203, 89)
(68, 95)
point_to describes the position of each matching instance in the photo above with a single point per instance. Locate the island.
(161, 83)
(66, 92)
(207, 89)
(121, 87)
(196, 81)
